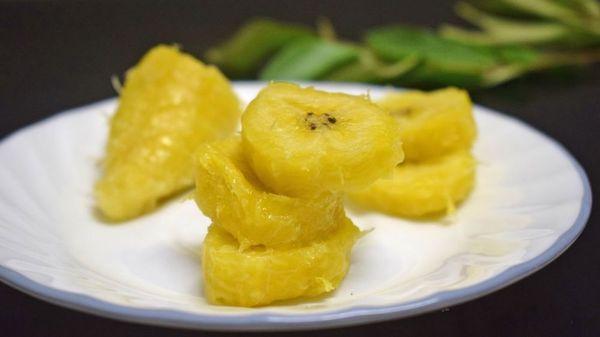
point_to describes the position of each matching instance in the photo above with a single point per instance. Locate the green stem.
(546, 61)
(552, 10)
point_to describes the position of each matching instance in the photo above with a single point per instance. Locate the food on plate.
(423, 188)
(170, 103)
(432, 123)
(437, 130)
(262, 275)
(303, 141)
(228, 191)
(279, 227)
(275, 193)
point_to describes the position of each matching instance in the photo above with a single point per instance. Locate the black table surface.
(58, 55)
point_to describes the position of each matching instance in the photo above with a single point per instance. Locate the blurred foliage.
(507, 39)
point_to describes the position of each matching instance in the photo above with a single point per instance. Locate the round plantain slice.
(259, 275)
(302, 141)
(422, 189)
(230, 194)
(432, 124)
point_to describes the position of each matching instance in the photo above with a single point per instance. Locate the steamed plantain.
(303, 141)
(169, 105)
(228, 191)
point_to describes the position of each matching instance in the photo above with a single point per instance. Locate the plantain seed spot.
(314, 121)
(403, 112)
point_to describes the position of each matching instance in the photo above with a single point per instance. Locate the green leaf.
(443, 61)
(429, 76)
(517, 54)
(447, 62)
(308, 59)
(257, 40)
(369, 68)
(397, 42)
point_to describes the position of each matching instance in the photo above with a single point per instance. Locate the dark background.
(58, 55)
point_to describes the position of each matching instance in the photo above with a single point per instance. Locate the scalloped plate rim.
(344, 317)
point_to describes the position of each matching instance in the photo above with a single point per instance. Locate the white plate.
(531, 201)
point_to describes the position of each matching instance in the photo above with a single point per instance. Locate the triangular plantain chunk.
(170, 104)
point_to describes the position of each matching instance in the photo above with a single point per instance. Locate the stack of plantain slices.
(275, 194)
(438, 131)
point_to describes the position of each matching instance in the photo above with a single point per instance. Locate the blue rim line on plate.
(339, 318)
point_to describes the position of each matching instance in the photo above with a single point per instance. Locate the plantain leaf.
(397, 42)
(308, 59)
(369, 68)
(443, 61)
(501, 50)
(243, 53)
